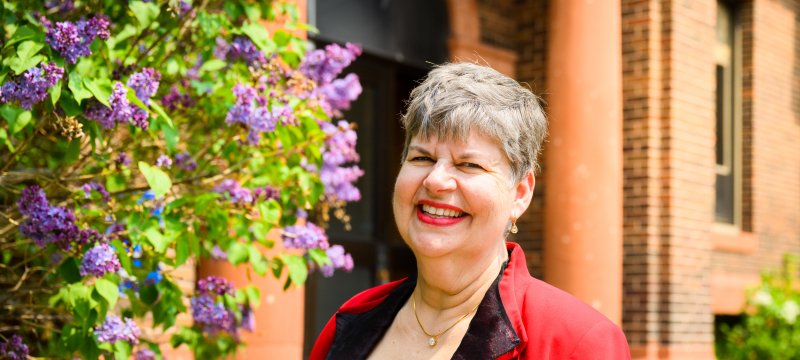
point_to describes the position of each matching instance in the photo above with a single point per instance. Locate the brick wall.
(771, 149)
(530, 41)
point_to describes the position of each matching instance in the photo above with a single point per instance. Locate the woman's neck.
(458, 282)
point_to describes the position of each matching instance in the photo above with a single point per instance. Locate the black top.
(489, 335)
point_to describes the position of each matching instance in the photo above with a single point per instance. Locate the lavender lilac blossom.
(121, 111)
(99, 260)
(212, 316)
(72, 40)
(145, 84)
(164, 161)
(114, 329)
(93, 186)
(339, 260)
(185, 161)
(339, 149)
(31, 87)
(309, 236)
(47, 224)
(144, 354)
(13, 348)
(252, 111)
(323, 66)
(175, 99)
(214, 285)
(240, 49)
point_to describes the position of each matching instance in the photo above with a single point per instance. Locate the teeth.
(441, 212)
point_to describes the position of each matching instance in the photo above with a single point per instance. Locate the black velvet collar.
(489, 335)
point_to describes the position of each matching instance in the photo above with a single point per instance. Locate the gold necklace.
(433, 339)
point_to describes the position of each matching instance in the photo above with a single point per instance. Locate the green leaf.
(298, 272)
(69, 105)
(319, 256)
(26, 56)
(55, 94)
(100, 88)
(160, 111)
(122, 350)
(21, 65)
(181, 251)
(108, 290)
(281, 38)
(259, 35)
(171, 135)
(253, 295)
(69, 271)
(79, 91)
(6, 141)
(21, 122)
(23, 33)
(159, 241)
(145, 13)
(213, 65)
(270, 211)
(124, 259)
(237, 253)
(158, 180)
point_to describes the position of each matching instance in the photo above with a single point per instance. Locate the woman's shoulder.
(562, 323)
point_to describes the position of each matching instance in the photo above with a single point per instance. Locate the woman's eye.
(472, 166)
(421, 159)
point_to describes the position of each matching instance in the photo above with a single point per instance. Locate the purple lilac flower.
(258, 119)
(72, 40)
(339, 149)
(100, 260)
(325, 65)
(121, 111)
(240, 49)
(309, 236)
(114, 329)
(123, 159)
(337, 95)
(175, 99)
(218, 254)
(13, 348)
(90, 186)
(164, 161)
(339, 260)
(267, 192)
(212, 316)
(248, 319)
(144, 354)
(236, 192)
(145, 84)
(214, 285)
(59, 6)
(185, 161)
(31, 87)
(47, 224)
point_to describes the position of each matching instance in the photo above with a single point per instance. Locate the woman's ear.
(523, 194)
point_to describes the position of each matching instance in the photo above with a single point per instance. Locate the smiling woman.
(472, 139)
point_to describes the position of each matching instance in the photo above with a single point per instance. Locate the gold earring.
(514, 228)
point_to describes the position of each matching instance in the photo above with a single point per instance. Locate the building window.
(727, 54)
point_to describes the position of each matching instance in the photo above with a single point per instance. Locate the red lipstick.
(437, 221)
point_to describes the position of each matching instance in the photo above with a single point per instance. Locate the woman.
(472, 138)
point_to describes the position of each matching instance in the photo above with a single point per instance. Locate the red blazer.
(522, 318)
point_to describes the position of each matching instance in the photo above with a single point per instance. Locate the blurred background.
(670, 179)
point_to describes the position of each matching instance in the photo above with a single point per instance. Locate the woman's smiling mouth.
(439, 214)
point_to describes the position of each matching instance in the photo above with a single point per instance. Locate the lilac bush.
(138, 135)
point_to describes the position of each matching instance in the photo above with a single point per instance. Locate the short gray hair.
(454, 98)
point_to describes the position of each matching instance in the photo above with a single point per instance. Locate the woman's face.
(453, 196)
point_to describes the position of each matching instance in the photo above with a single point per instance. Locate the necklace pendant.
(432, 341)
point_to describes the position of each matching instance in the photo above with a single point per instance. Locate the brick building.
(672, 174)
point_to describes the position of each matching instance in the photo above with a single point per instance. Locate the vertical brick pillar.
(583, 199)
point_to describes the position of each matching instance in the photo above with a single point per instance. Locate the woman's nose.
(439, 179)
